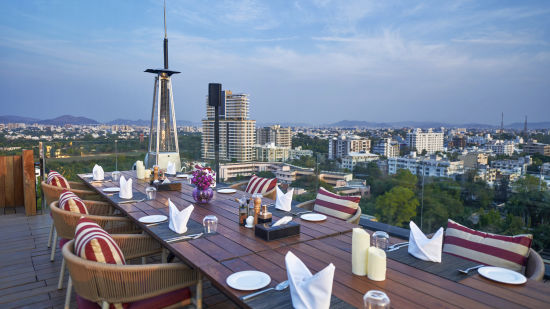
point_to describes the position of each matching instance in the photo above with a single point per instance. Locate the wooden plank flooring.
(27, 277)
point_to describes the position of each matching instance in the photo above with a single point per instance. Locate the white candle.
(377, 264)
(360, 242)
(140, 170)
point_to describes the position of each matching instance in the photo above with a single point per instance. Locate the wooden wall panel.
(9, 185)
(29, 182)
(18, 181)
(2, 182)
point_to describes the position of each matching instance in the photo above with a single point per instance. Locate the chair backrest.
(51, 193)
(65, 221)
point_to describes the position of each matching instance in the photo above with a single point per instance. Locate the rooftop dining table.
(235, 248)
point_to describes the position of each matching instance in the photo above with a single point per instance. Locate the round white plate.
(227, 191)
(88, 175)
(248, 280)
(503, 275)
(182, 175)
(112, 189)
(153, 219)
(313, 217)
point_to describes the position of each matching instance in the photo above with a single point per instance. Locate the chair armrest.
(239, 185)
(356, 217)
(78, 185)
(535, 266)
(307, 205)
(137, 245)
(125, 283)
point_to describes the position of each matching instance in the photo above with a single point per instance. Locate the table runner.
(446, 269)
(281, 299)
(136, 197)
(164, 232)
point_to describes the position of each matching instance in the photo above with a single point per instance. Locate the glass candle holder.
(380, 240)
(115, 175)
(151, 193)
(374, 299)
(147, 173)
(210, 224)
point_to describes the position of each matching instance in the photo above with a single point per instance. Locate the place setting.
(126, 194)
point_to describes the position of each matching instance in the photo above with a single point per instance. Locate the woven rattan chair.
(51, 194)
(310, 204)
(272, 194)
(108, 283)
(65, 224)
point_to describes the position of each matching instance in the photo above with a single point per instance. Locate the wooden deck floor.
(27, 277)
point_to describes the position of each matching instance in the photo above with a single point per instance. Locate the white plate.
(248, 280)
(88, 175)
(313, 217)
(503, 275)
(153, 219)
(112, 189)
(182, 176)
(227, 191)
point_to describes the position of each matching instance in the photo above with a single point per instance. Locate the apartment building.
(532, 147)
(281, 137)
(340, 146)
(232, 170)
(271, 153)
(429, 167)
(520, 164)
(474, 159)
(387, 147)
(353, 158)
(500, 147)
(298, 152)
(237, 132)
(430, 141)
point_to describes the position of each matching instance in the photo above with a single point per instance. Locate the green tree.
(405, 178)
(441, 202)
(397, 206)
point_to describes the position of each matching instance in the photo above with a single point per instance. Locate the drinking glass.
(374, 299)
(210, 224)
(115, 175)
(380, 240)
(151, 193)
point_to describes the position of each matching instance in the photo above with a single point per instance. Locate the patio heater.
(163, 136)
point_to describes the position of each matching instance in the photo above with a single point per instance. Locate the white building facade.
(426, 167)
(430, 141)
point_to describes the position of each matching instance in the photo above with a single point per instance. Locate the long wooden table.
(235, 248)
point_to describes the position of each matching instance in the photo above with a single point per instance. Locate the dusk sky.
(313, 61)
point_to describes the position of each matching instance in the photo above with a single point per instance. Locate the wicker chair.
(310, 204)
(65, 224)
(108, 283)
(535, 266)
(272, 194)
(51, 194)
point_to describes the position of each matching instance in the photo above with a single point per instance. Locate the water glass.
(374, 299)
(380, 240)
(210, 224)
(151, 193)
(115, 175)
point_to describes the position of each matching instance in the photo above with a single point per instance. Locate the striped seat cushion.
(92, 243)
(57, 180)
(485, 248)
(260, 185)
(342, 207)
(71, 202)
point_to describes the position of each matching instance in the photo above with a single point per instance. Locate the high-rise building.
(237, 132)
(342, 145)
(281, 137)
(430, 141)
(387, 147)
(532, 147)
(271, 153)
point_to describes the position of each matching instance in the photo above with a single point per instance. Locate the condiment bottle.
(265, 216)
(257, 207)
(156, 173)
(243, 212)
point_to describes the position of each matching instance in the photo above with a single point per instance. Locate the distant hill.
(17, 119)
(68, 119)
(428, 124)
(530, 126)
(128, 122)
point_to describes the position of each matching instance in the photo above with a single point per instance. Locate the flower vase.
(203, 196)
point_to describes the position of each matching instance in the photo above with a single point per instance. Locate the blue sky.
(316, 61)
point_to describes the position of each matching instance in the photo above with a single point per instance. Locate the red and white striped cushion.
(342, 207)
(71, 202)
(92, 243)
(485, 248)
(57, 180)
(260, 185)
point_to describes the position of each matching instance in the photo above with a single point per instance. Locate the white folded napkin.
(178, 219)
(166, 180)
(98, 172)
(306, 290)
(125, 188)
(284, 220)
(284, 200)
(424, 248)
(171, 168)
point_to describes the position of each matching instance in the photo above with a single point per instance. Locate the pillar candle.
(140, 170)
(360, 242)
(377, 264)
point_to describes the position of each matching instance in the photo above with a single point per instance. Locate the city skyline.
(379, 62)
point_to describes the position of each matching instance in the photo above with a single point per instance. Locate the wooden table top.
(235, 248)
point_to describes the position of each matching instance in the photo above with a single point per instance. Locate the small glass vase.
(203, 196)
